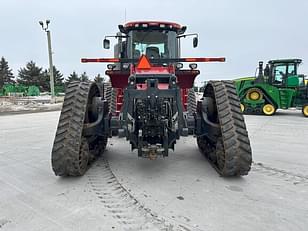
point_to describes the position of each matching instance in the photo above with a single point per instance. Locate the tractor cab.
(148, 50)
(283, 73)
(152, 39)
(159, 43)
(155, 40)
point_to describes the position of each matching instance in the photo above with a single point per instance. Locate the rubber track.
(110, 95)
(107, 91)
(65, 151)
(235, 141)
(191, 102)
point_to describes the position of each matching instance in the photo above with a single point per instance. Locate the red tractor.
(150, 101)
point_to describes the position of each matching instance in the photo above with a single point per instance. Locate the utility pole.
(52, 86)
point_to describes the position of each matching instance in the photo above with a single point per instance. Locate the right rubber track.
(191, 102)
(66, 148)
(110, 95)
(234, 145)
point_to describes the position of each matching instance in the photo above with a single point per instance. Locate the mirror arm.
(187, 35)
(116, 36)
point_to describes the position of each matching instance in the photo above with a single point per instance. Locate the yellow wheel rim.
(242, 107)
(268, 109)
(254, 95)
(305, 110)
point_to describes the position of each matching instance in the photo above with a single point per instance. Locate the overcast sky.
(244, 31)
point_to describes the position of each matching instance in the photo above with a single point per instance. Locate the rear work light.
(193, 66)
(111, 66)
(179, 65)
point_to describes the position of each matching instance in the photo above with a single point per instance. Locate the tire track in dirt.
(292, 177)
(129, 213)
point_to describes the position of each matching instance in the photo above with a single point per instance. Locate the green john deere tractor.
(277, 86)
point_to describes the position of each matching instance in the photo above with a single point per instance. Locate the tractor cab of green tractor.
(283, 73)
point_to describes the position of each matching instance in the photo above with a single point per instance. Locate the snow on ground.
(29, 104)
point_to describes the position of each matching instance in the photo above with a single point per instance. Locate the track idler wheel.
(73, 150)
(229, 150)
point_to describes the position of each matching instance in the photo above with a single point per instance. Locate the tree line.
(32, 74)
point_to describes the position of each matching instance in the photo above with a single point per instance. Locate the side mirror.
(106, 43)
(195, 42)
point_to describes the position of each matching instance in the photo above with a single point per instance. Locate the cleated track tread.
(232, 150)
(191, 102)
(110, 95)
(69, 145)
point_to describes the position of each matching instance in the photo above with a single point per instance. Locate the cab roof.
(298, 61)
(143, 25)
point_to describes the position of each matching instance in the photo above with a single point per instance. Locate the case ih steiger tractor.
(149, 102)
(278, 86)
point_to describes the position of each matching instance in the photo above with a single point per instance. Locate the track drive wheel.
(229, 152)
(268, 109)
(254, 94)
(305, 110)
(72, 151)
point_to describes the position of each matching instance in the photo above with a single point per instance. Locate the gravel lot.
(181, 192)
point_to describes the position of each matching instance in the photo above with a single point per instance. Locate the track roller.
(269, 109)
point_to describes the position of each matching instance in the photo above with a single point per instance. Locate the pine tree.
(32, 75)
(98, 79)
(6, 74)
(84, 77)
(72, 77)
(57, 75)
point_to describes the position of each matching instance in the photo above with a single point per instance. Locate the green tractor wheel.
(254, 94)
(305, 110)
(269, 109)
